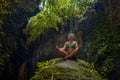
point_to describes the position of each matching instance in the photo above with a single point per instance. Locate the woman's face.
(71, 37)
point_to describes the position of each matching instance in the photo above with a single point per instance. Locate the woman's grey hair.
(71, 34)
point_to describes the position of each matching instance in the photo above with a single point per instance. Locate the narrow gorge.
(30, 30)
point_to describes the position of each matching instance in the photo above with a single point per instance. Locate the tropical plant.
(54, 13)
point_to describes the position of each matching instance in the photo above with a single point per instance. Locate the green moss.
(1, 65)
(103, 50)
(58, 69)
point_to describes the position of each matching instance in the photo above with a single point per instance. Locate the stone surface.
(58, 69)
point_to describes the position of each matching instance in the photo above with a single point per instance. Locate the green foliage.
(1, 65)
(4, 9)
(12, 22)
(55, 70)
(29, 7)
(54, 13)
(103, 49)
(108, 66)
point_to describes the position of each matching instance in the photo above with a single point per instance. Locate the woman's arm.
(64, 47)
(75, 51)
(76, 45)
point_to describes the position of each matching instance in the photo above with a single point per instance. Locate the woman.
(70, 48)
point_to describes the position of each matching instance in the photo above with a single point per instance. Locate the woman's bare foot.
(67, 57)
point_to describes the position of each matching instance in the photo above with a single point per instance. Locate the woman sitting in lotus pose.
(70, 48)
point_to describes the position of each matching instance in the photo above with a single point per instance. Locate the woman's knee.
(61, 50)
